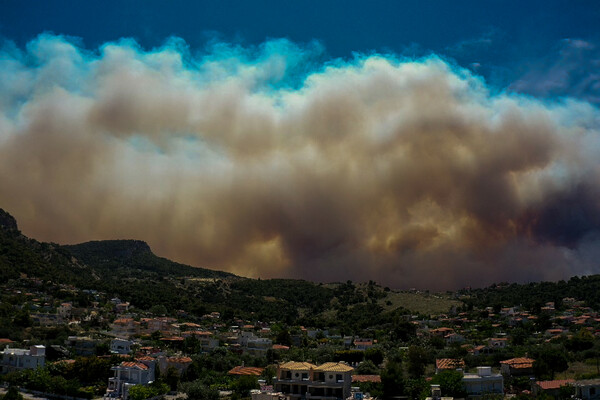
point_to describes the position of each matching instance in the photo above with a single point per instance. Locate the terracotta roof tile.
(366, 378)
(132, 364)
(180, 360)
(519, 363)
(297, 366)
(240, 370)
(549, 385)
(449, 363)
(334, 367)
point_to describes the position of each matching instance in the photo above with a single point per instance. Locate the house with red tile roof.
(445, 364)
(551, 388)
(180, 363)
(241, 370)
(128, 374)
(363, 344)
(519, 366)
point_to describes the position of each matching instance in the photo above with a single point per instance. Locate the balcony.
(335, 384)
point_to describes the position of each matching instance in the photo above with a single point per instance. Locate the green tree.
(450, 383)
(284, 338)
(403, 331)
(139, 392)
(158, 309)
(12, 394)
(374, 354)
(244, 384)
(549, 359)
(583, 340)
(22, 318)
(417, 361)
(268, 373)
(197, 390)
(171, 378)
(392, 378)
(367, 367)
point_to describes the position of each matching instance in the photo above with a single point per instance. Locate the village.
(99, 346)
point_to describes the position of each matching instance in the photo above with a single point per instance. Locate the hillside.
(21, 256)
(116, 255)
(128, 269)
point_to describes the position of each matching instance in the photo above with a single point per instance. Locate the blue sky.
(504, 41)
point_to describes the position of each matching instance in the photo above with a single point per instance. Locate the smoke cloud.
(267, 162)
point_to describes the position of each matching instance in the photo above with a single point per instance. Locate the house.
(162, 324)
(181, 364)
(520, 366)
(128, 374)
(44, 319)
(81, 345)
(445, 364)
(436, 394)
(64, 311)
(454, 338)
(17, 359)
(206, 340)
(481, 349)
(122, 307)
(120, 346)
(551, 388)
(483, 382)
(587, 389)
(300, 380)
(497, 343)
(125, 327)
(253, 344)
(363, 344)
(441, 332)
(293, 377)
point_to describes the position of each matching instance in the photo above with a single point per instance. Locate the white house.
(128, 374)
(120, 346)
(587, 389)
(16, 359)
(253, 344)
(483, 382)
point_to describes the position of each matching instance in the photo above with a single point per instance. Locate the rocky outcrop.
(7, 221)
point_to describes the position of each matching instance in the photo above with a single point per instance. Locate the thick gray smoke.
(411, 173)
